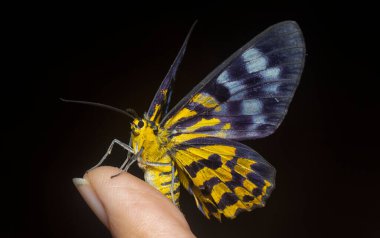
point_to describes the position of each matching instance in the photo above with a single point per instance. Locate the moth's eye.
(140, 124)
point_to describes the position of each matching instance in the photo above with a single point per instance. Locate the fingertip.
(90, 197)
(78, 182)
(133, 207)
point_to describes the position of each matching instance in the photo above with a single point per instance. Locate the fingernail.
(91, 199)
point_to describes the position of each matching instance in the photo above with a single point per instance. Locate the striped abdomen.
(165, 179)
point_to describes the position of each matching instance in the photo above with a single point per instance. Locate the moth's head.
(138, 125)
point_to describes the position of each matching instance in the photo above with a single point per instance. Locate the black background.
(324, 152)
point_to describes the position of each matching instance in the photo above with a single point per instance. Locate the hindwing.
(225, 177)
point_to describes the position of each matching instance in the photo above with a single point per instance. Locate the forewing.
(225, 177)
(159, 106)
(248, 95)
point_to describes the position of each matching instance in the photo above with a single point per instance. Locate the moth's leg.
(172, 184)
(134, 158)
(122, 166)
(128, 162)
(115, 141)
(155, 164)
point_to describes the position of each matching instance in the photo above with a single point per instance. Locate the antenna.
(95, 104)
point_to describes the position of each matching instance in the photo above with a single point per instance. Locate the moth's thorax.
(149, 136)
(153, 139)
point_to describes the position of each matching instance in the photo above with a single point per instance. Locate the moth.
(195, 143)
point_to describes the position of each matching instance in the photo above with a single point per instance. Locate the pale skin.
(129, 207)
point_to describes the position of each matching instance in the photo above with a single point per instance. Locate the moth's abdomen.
(161, 177)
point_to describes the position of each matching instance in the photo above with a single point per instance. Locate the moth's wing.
(248, 95)
(225, 177)
(160, 104)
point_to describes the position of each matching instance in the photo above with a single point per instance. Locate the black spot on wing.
(208, 185)
(194, 168)
(186, 123)
(248, 198)
(236, 69)
(227, 199)
(214, 161)
(257, 192)
(238, 211)
(218, 91)
(236, 181)
(231, 163)
(211, 207)
(256, 179)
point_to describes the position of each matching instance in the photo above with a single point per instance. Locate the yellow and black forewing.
(160, 104)
(225, 177)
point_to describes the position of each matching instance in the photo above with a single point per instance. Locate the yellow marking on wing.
(183, 113)
(222, 133)
(230, 211)
(241, 192)
(246, 163)
(202, 176)
(157, 108)
(205, 100)
(266, 186)
(223, 173)
(249, 185)
(259, 199)
(242, 170)
(191, 154)
(185, 137)
(184, 179)
(202, 123)
(220, 149)
(186, 157)
(164, 92)
(218, 190)
(226, 126)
